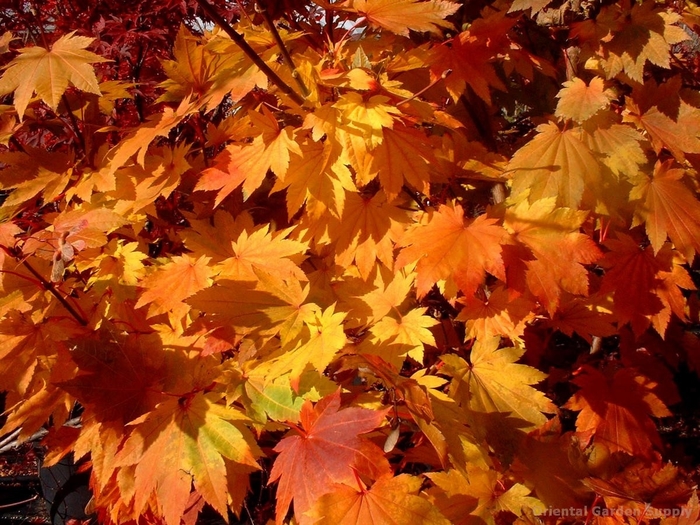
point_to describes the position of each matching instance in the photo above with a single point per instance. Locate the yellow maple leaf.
(555, 163)
(317, 179)
(400, 16)
(367, 116)
(268, 252)
(619, 144)
(121, 261)
(317, 345)
(192, 72)
(157, 125)
(493, 382)
(49, 73)
(404, 155)
(410, 332)
(579, 101)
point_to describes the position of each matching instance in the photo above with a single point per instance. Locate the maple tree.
(362, 261)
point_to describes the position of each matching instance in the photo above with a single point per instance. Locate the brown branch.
(74, 124)
(52, 289)
(46, 285)
(249, 51)
(261, 8)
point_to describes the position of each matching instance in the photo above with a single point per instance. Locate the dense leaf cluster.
(403, 261)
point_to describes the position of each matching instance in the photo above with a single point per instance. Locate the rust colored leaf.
(326, 450)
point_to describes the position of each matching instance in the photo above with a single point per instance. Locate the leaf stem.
(262, 9)
(250, 52)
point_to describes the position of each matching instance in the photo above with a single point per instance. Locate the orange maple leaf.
(194, 436)
(470, 57)
(366, 232)
(174, 282)
(669, 208)
(326, 450)
(450, 247)
(399, 16)
(644, 285)
(389, 500)
(615, 410)
(552, 234)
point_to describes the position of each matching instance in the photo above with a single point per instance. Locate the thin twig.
(12, 436)
(18, 503)
(261, 8)
(250, 52)
(52, 289)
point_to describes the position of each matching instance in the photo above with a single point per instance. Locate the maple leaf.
(317, 345)
(388, 500)
(49, 73)
(559, 249)
(367, 117)
(174, 282)
(446, 247)
(265, 307)
(400, 16)
(470, 57)
(557, 164)
(615, 410)
(579, 101)
(619, 144)
(367, 231)
(643, 488)
(497, 314)
(192, 71)
(476, 496)
(584, 317)
(403, 155)
(192, 435)
(264, 251)
(679, 135)
(643, 284)
(32, 172)
(668, 209)
(405, 336)
(247, 164)
(493, 382)
(648, 36)
(139, 139)
(118, 378)
(326, 450)
(317, 179)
